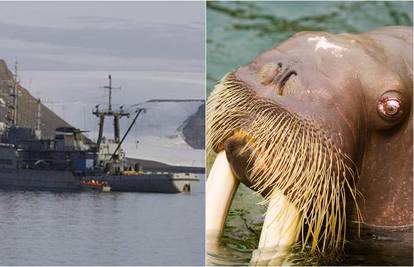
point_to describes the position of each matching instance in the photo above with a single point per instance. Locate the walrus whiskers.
(290, 155)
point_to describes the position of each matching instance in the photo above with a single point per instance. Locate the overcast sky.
(103, 35)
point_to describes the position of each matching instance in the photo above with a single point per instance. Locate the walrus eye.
(390, 107)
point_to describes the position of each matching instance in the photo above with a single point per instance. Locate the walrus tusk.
(282, 222)
(280, 231)
(221, 186)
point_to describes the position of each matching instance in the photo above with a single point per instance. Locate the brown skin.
(338, 81)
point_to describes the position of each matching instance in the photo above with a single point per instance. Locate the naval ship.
(72, 162)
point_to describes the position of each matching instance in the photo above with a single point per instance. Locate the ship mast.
(109, 87)
(14, 95)
(116, 114)
(38, 130)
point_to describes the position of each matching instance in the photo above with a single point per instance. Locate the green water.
(237, 32)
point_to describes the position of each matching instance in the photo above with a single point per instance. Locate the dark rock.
(27, 106)
(194, 129)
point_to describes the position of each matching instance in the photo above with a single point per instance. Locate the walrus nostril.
(286, 77)
(267, 73)
(276, 74)
(283, 79)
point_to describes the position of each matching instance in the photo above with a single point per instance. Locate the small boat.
(95, 185)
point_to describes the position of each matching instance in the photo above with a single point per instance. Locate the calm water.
(42, 228)
(237, 32)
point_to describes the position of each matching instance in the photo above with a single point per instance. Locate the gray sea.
(95, 228)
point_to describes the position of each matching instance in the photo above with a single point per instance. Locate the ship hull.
(63, 181)
(38, 180)
(149, 182)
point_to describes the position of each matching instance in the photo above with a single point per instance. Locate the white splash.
(323, 43)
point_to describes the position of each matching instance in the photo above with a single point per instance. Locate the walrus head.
(300, 118)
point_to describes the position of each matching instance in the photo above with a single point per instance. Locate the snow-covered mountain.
(157, 134)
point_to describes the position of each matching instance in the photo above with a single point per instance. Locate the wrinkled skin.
(339, 82)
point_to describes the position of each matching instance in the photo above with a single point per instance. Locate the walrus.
(321, 127)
